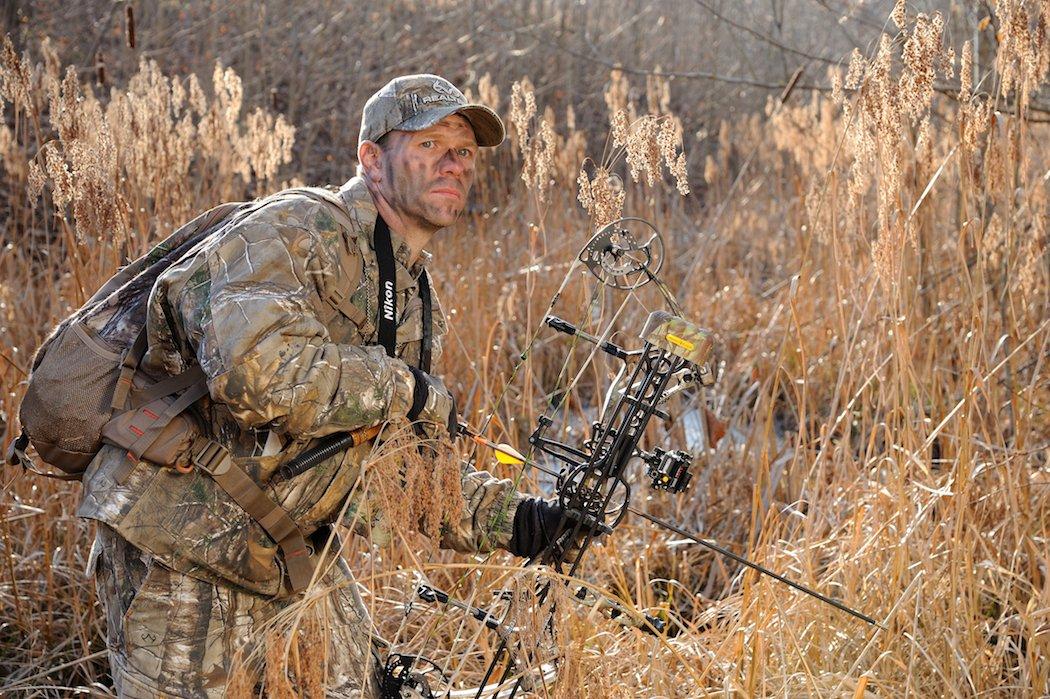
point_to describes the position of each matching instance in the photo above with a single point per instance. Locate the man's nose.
(454, 164)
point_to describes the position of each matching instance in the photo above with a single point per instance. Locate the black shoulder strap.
(428, 327)
(387, 288)
(388, 299)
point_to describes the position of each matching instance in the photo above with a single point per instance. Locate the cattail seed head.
(129, 25)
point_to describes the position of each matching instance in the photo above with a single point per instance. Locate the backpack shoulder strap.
(215, 460)
(338, 209)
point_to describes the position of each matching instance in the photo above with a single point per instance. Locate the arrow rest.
(668, 470)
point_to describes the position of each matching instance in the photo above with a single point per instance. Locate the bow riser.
(587, 486)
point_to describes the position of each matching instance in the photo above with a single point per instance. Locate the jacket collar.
(358, 201)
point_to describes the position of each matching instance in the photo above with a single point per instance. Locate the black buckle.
(16, 452)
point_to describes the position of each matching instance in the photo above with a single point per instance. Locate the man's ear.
(369, 155)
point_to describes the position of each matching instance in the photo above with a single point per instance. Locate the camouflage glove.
(537, 522)
(433, 404)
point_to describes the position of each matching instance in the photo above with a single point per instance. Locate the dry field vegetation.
(871, 256)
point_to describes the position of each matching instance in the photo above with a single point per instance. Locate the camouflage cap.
(415, 102)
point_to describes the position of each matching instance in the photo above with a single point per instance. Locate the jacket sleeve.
(261, 335)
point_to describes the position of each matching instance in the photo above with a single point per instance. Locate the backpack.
(84, 387)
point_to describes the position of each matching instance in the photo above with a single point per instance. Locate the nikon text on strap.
(388, 298)
(428, 328)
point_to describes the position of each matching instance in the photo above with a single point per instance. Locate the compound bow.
(591, 482)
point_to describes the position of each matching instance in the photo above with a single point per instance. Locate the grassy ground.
(871, 258)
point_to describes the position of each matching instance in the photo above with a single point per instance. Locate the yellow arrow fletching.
(506, 454)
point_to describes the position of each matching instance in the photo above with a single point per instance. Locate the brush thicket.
(873, 261)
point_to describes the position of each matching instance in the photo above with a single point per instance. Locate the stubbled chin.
(444, 215)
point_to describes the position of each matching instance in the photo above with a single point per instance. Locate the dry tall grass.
(873, 260)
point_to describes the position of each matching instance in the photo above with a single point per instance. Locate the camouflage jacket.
(250, 305)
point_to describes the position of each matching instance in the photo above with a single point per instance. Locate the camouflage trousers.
(172, 635)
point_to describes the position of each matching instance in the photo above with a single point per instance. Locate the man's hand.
(432, 403)
(540, 523)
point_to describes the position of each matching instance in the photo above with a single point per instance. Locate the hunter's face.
(428, 174)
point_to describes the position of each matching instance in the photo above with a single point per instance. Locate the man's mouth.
(448, 192)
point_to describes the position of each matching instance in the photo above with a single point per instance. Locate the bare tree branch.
(765, 38)
(947, 89)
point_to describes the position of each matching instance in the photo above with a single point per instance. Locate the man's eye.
(466, 153)
(427, 144)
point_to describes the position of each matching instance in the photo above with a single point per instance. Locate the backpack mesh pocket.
(65, 425)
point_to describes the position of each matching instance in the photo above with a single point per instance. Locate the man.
(283, 311)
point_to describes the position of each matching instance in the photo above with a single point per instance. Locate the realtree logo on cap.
(441, 93)
(447, 90)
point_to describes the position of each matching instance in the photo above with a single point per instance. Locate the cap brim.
(488, 127)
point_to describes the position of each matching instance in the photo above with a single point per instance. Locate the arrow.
(506, 454)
